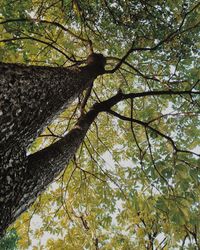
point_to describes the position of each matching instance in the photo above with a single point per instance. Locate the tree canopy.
(134, 181)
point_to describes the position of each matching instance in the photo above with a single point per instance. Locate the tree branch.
(35, 20)
(169, 37)
(40, 41)
(146, 125)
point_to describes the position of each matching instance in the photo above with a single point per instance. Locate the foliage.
(9, 241)
(132, 184)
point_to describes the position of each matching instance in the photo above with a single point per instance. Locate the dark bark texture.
(30, 96)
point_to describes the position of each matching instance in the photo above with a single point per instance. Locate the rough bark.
(30, 97)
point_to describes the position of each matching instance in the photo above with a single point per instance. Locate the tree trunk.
(30, 96)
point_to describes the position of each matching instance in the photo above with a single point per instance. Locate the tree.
(27, 103)
(147, 129)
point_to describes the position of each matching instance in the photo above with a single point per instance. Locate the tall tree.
(30, 96)
(148, 131)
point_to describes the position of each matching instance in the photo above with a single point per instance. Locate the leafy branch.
(168, 38)
(40, 41)
(54, 23)
(106, 106)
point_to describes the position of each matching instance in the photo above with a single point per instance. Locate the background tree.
(9, 241)
(135, 180)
